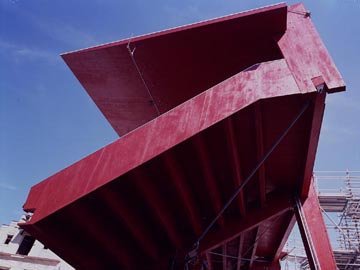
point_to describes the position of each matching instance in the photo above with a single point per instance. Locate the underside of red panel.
(176, 64)
(199, 108)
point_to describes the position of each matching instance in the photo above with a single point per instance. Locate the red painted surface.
(265, 266)
(317, 239)
(159, 135)
(306, 54)
(271, 214)
(288, 227)
(152, 192)
(177, 64)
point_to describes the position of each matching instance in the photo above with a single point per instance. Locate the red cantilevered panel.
(175, 64)
(191, 137)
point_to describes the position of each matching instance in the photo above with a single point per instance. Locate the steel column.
(313, 232)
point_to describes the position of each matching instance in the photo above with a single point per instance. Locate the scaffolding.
(339, 196)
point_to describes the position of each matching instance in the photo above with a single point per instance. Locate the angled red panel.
(176, 64)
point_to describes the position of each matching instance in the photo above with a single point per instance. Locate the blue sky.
(47, 121)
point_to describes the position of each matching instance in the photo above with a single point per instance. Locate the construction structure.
(339, 196)
(219, 124)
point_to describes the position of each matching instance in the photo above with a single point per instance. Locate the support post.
(313, 232)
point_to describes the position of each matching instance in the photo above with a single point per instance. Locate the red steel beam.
(209, 262)
(114, 251)
(131, 221)
(260, 152)
(267, 266)
(284, 239)
(184, 191)
(236, 163)
(234, 227)
(64, 231)
(240, 248)
(313, 142)
(239, 189)
(313, 232)
(211, 185)
(224, 258)
(254, 247)
(159, 209)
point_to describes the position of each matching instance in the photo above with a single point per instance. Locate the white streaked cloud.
(21, 53)
(65, 33)
(343, 101)
(60, 31)
(7, 186)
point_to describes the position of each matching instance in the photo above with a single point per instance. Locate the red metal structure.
(220, 122)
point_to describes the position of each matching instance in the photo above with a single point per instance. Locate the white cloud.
(58, 30)
(61, 31)
(7, 186)
(20, 52)
(343, 101)
(67, 34)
